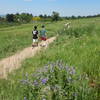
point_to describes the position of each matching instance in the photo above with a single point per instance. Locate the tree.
(0, 18)
(10, 17)
(20, 18)
(17, 18)
(73, 17)
(41, 16)
(55, 16)
(49, 16)
(26, 17)
(45, 16)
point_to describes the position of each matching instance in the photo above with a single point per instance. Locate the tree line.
(19, 18)
(78, 17)
(26, 17)
(55, 16)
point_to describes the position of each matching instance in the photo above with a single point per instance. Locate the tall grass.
(77, 32)
(78, 47)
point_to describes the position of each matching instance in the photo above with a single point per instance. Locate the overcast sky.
(64, 7)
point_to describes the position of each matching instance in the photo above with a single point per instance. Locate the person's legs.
(43, 39)
(33, 44)
(36, 41)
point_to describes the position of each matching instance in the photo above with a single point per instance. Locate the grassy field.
(77, 46)
(15, 38)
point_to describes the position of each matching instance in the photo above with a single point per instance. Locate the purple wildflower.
(61, 66)
(44, 81)
(72, 71)
(24, 81)
(35, 82)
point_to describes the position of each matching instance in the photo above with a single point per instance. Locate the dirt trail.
(11, 63)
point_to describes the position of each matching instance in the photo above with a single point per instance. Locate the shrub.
(57, 81)
(77, 32)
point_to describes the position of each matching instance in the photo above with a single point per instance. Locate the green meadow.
(78, 46)
(16, 37)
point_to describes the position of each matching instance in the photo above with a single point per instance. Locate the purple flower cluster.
(56, 76)
(44, 81)
(24, 81)
(35, 82)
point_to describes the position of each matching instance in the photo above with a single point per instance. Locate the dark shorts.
(43, 38)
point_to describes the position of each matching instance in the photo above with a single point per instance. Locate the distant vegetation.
(78, 17)
(26, 17)
(15, 19)
(54, 17)
(23, 18)
(19, 18)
